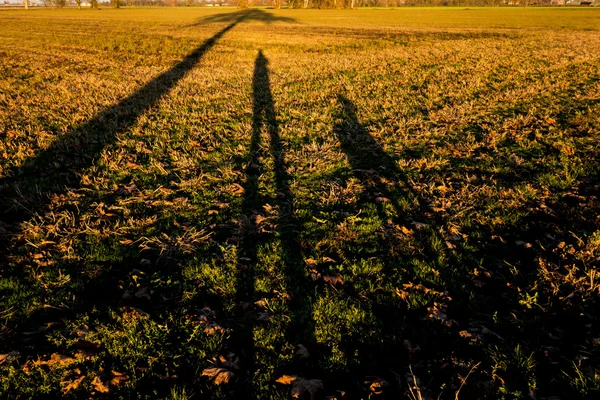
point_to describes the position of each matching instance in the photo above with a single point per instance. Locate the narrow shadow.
(385, 185)
(254, 233)
(248, 15)
(27, 190)
(371, 163)
(288, 227)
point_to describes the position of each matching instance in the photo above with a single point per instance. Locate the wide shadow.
(251, 15)
(256, 232)
(478, 300)
(27, 190)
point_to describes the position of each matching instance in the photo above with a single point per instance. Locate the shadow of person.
(26, 190)
(251, 15)
(280, 235)
(386, 185)
(377, 169)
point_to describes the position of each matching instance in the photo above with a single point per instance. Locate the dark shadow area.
(255, 233)
(487, 319)
(251, 15)
(98, 285)
(385, 185)
(26, 190)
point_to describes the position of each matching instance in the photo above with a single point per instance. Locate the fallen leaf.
(263, 316)
(302, 351)
(218, 375)
(8, 357)
(237, 189)
(72, 384)
(334, 279)
(287, 379)
(378, 386)
(99, 385)
(300, 386)
(262, 303)
(259, 219)
(87, 346)
(213, 328)
(143, 292)
(405, 230)
(118, 378)
(56, 358)
(402, 294)
(84, 330)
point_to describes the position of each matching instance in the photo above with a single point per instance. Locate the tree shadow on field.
(251, 15)
(258, 231)
(27, 191)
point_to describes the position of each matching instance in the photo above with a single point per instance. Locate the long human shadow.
(376, 168)
(27, 190)
(386, 184)
(473, 304)
(286, 226)
(248, 15)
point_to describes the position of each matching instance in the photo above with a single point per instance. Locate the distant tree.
(78, 3)
(26, 3)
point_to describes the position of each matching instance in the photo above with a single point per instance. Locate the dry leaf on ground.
(99, 385)
(56, 358)
(221, 370)
(334, 279)
(218, 375)
(301, 385)
(302, 351)
(8, 357)
(72, 384)
(286, 379)
(118, 378)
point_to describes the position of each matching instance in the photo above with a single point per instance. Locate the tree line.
(321, 4)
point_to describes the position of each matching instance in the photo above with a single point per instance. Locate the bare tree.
(26, 3)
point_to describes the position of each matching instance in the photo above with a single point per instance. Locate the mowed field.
(213, 203)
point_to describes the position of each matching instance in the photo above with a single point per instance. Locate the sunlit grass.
(347, 197)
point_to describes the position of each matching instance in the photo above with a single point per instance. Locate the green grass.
(201, 203)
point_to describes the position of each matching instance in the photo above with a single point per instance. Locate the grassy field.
(211, 203)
